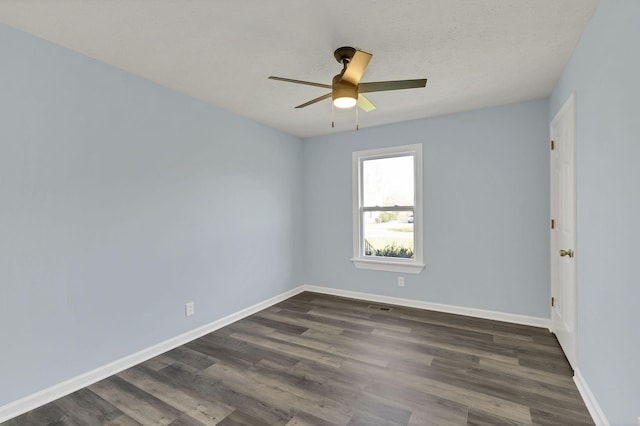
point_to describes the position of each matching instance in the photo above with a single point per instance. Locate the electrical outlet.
(189, 309)
(400, 281)
(638, 420)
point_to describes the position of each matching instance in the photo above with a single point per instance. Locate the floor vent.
(379, 308)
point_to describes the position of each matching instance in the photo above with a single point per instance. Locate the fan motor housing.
(343, 89)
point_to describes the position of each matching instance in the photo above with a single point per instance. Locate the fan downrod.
(343, 54)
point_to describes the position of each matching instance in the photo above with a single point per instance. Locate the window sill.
(388, 265)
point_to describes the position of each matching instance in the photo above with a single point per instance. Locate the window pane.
(388, 182)
(388, 234)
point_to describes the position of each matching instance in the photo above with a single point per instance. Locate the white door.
(564, 316)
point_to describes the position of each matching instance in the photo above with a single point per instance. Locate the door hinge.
(553, 301)
(553, 145)
(553, 224)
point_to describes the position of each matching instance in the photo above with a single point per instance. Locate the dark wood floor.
(322, 360)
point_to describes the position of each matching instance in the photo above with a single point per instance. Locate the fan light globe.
(344, 102)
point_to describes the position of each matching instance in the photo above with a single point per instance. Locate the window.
(387, 209)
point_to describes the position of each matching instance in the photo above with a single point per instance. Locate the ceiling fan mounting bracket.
(344, 54)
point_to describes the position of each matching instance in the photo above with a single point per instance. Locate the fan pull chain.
(357, 124)
(332, 116)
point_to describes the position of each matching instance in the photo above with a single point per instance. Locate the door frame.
(571, 352)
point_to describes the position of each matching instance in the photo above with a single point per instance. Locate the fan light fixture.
(343, 93)
(344, 102)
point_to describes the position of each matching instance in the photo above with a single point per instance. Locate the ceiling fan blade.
(308, 83)
(313, 101)
(356, 67)
(381, 86)
(364, 103)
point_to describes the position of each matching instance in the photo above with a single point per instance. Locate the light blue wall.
(604, 72)
(120, 201)
(486, 209)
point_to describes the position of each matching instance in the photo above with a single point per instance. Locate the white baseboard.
(451, 309)
(59, 390)
(589, 400)
(30, 402)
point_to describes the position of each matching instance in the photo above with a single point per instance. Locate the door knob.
(564, 253)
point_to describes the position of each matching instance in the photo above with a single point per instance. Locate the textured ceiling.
(474, 53)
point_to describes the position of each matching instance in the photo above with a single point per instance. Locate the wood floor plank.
(140, 406)
(200, 382)
(513, 391)
(560, 418)
(317, 359)
(186, 420)
(330, 320)
(364, 418)
(291, 350)
(247, 326)
(534, 390)
(88, 408)
(470, 397)
(450, 321)
(233, 350)
(509, 358)
(191, 357)
(293, 318)
(342, 380)
(422, 405)
(159, 362)
(434, 330)
(123, 420)
(541, 376)
(374, 353)
(332, 347)
(191, 404)
(483, 418)
(520, 345)
(239, 418)
(383, 408)
(556, 366)
(305, 419)
(280, 394)
(278, 325)
(49, 414)
(431, 418)
(302, 382)
(336, 315)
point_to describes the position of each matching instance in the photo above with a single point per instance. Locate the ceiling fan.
(346, 89)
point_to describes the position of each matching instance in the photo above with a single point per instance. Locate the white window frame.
(403, 265)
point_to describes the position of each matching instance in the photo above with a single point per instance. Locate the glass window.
(387, 209)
